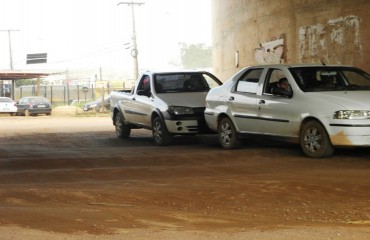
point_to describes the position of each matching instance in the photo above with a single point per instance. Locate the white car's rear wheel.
(122, 130)
(227, 134)
(314, 140)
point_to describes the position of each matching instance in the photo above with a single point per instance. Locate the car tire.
(160, 134)
(227, 134)
(122, 130)
(315, 141)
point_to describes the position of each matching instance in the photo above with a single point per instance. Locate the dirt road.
(72, 178)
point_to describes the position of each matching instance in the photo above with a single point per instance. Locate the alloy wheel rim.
(312, 139)
(225, 133)
(157, 131)
(118, 125)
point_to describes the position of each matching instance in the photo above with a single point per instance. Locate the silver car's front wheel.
(315, 141)
(227, 134)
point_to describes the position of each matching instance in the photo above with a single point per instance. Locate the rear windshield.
(39, 100)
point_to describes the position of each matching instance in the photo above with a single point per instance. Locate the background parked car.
(7, 105)
(96, 105)
(29, 106)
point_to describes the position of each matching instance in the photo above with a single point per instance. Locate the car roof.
(298, 65)
(176, 71)
(6, 98)
(34, 97)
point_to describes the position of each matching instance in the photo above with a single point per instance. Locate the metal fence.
(63, 94)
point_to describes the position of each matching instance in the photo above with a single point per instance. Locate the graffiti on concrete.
(270, 52)
(337, 42)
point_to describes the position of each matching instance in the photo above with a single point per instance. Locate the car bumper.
(211, 120)
(350, 134)
(8, 110)
(39, 110)
(187, 125)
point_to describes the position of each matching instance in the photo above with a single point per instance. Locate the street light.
(134, 52)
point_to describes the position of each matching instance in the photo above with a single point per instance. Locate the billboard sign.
(37, 58)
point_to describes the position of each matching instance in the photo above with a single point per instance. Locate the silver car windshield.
(318, 79)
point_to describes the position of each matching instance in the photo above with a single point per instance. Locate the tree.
(196, 55)
(22, 82)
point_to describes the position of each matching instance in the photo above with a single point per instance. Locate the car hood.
(355, 100)
(188, 99)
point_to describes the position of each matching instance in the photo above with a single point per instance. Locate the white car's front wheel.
(160, 134)
(227, 134)
(314, 140)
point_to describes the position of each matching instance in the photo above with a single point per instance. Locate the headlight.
(352, 114)
(180, 110)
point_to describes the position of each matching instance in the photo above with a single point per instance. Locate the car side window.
(144, 85)
(248, 82)
(277, 84)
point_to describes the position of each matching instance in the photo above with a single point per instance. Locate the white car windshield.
(184, 82)
(325, 78)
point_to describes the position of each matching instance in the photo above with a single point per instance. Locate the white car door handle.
(231, 98)
(262, 102)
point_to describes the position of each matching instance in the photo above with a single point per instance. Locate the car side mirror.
(140, 92)
(143, 93)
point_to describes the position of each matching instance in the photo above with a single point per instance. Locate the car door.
(143, 101)
(275, 111)
(242, 101)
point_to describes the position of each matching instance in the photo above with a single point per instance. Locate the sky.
(95, 33)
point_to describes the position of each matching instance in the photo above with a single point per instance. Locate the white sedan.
(318, 106)
(7, 105)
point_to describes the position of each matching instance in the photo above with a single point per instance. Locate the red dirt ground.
(72, 178)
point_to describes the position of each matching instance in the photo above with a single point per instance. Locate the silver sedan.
(320, 107)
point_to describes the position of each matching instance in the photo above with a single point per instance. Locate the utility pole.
(10, 47)
(10, 63)
(134, 51)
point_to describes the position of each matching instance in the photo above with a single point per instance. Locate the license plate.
(41, 106)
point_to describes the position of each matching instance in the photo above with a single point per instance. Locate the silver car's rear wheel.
(314, 140)
(227, 134)
(122, 130)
